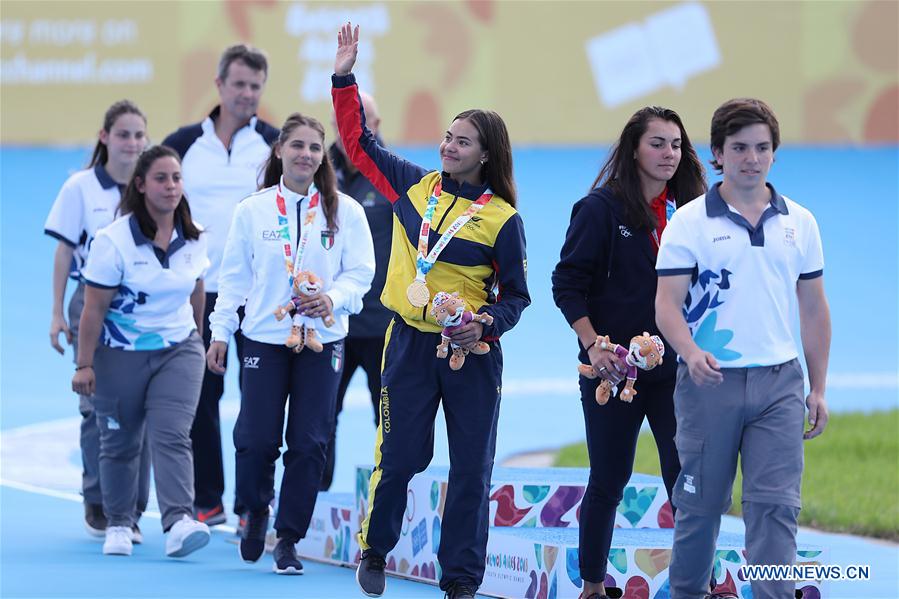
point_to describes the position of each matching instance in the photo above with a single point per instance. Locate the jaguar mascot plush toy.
(645, 352)
(302, 331)
(450, 313)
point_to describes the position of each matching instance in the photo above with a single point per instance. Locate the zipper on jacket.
(445, 214)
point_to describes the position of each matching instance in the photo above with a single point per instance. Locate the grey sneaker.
(286, 560)
(94, 520)
(137, 537)
(370, 574)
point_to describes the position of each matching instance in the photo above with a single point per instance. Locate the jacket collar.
(466, 190)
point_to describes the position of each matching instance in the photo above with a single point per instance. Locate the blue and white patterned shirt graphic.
(151, 308)
(743, 278)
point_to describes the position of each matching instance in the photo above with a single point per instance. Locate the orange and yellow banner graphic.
(562, 72)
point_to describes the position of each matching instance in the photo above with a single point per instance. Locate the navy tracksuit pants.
(206, 432)
(612, 431)
(367, 353)
(271, 373)
(414, 382)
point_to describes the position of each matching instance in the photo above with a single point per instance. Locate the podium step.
(535, 497)
(526, 558)
(543, 563)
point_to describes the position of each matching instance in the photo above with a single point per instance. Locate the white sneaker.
(185, 537)
(118, 541)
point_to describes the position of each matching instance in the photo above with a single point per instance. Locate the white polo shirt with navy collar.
(151, 309)
(86, 203)
(743, 278)
(216, 177)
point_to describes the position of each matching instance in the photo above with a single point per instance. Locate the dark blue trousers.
(206, 433)
(413, 383)
(367, 353)
(612, 432)
(271, 373)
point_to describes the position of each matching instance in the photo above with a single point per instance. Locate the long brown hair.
(135, 202)
(324, 178)
(497, 171)
(620, 175)
(101, 153)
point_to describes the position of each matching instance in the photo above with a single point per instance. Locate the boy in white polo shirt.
(731, 266)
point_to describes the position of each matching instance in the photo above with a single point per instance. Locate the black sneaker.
(370, 574)
(286, 560)
(252, 540)
(94, 519)
(460, 591)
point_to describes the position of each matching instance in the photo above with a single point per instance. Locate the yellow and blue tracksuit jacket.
(487, 254)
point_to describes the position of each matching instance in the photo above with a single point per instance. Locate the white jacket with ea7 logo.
(253, 267)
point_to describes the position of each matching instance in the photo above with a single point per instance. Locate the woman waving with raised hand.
(455, 231)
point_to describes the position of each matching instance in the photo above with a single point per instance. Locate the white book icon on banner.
(639, 58)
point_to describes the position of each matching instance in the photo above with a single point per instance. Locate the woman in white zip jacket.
(297, 222)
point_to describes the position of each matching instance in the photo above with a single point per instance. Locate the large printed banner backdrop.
(560, 72)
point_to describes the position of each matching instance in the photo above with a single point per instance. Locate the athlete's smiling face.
(461, 152)
(162, 186)
(301, 154)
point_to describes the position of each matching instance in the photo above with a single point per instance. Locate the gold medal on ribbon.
(418, 294)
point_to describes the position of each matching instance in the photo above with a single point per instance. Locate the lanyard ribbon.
(418, 294)
(664, 207)
(426, 259)
(294, 265)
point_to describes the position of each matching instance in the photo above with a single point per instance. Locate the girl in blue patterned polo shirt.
(144, 301)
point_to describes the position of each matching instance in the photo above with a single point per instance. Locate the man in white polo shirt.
(221, 157)
(732, 266)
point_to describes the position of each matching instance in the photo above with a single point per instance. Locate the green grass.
(851, 478)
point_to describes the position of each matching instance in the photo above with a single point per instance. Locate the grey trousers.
(757, 413)
(152, 393)
(91, 489)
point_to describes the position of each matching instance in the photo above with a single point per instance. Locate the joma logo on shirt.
(271, 235)
(720, 238)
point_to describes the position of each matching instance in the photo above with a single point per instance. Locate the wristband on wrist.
(77, 368)
(591, 345)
